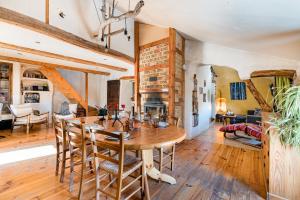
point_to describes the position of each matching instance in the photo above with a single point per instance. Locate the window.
(238, 91)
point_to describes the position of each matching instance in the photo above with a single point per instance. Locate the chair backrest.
(117, 147)
(77, 136)
(176, 121)
(60, 130)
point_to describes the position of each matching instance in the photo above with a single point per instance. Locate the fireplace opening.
(154, 104)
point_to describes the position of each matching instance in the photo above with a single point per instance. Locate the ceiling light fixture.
(109, 17)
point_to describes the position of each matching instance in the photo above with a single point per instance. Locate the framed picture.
(204, 83)
(204, 97)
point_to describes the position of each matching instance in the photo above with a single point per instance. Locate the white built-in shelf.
(34, 79)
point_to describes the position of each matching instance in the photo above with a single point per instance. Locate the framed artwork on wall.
(238, 91)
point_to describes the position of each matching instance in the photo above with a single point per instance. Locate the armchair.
(23, 116)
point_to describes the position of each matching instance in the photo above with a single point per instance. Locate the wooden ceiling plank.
(269, 73)
(58, 56)
(38, 63)
(24, 21)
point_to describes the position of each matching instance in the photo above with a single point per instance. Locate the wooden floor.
(206, 168)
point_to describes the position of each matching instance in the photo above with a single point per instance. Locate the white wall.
(97, 88)
(126, 93)
(244, 62)
(202, 72)
(16, 83)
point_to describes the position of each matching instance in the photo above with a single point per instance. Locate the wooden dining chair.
(166, 154)
(118, 166)
(62, 147)
(80, 154)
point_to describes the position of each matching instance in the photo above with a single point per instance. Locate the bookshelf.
(5, 85)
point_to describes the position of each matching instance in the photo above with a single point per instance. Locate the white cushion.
(37, 119)
(64, 117)
(73, 108)
(22, 109)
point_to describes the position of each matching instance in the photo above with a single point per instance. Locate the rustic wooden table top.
(145, 137)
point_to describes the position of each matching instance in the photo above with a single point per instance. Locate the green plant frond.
(287, 122)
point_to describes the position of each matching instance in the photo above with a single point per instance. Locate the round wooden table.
(146, 138)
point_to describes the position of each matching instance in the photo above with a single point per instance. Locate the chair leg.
(161, 159)
(119, 187)
(91, 166)
(27, 128)
(81, 179)
(173, 158)
(71, 170)
(142, 183)
(97, 185)
(57, 159)
(63, 166)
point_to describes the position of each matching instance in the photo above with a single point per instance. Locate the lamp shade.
(221, 105)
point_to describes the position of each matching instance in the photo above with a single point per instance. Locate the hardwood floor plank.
(205, 168)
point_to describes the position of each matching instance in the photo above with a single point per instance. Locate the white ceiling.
(267, 26)
(26, 38)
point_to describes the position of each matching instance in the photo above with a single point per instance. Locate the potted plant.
(287, 119)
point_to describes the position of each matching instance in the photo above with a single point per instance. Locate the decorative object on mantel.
(109, 17)
(195, 102)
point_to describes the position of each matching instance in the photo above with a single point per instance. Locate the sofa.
(253, 116)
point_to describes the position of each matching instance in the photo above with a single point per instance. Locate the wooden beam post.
(172, 52)
(87, 91)
(47, 11)
(38, 63)
(259, 98)
(137, 98)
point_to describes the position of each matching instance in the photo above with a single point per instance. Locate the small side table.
(226, 117)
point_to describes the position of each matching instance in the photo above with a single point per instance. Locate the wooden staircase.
(63, 86)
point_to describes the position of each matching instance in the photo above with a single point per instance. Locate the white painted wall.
(97, 88)
(126, 93)
(244, 62)
(202, 72)
(16, 83)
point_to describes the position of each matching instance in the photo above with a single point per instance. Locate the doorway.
(113, 94)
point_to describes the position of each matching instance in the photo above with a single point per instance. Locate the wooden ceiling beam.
(127, 78)
(269, 73)
(47, 11)
(58, 56)
(24, 21)
(38, 63)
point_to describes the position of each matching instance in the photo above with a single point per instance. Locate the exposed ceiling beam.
(58, 56)
(24, 21)
(127, 78)
(258, 97)
(47, 11)
(269, 73)
(38, 63)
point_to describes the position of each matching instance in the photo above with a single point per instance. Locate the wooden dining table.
(145, 139)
